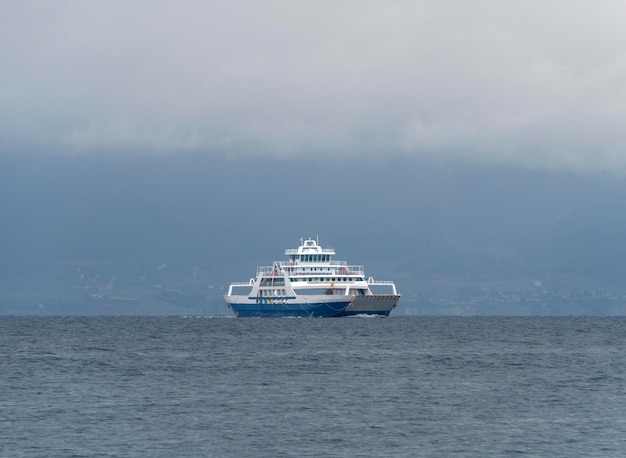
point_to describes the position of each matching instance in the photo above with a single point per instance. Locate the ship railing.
(308, 263)
(285, 264)
(323, 250)
(243, 283)
(372, 282)
(341, 268)
(275, 270)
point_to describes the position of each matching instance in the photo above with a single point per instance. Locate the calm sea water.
(225, 387)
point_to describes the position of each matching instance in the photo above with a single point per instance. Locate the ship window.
(309, 290)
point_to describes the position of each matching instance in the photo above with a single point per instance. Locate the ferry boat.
(311, 284)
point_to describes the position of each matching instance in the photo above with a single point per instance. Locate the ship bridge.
(309, 251)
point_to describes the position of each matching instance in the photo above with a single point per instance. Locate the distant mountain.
(412, 221)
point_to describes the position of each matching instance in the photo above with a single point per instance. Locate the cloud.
(535, 84)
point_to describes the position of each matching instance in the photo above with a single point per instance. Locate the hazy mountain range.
(176, 229)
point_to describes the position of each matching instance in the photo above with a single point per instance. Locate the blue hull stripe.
(336, 309)
(278, 310)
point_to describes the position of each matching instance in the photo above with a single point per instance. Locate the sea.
(312, 387)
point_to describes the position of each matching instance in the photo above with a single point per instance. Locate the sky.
(532, 84)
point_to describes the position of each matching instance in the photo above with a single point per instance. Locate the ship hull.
(379, 305)
(294, 309)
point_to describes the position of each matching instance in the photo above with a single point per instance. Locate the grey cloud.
(536, 84)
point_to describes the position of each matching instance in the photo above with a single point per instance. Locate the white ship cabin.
(310, 262)
(310, 269)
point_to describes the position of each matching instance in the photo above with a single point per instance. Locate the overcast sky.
(536, 83)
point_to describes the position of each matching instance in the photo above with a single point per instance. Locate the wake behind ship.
(311, 283)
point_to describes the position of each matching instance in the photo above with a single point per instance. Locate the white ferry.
(312, 284)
